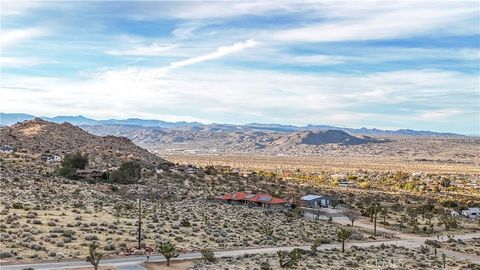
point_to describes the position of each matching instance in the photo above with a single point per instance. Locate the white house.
(51, 158)
(454, 213)
(160, 171)
(54, 158)
(191, 170)
(472, 212)
(7, 149)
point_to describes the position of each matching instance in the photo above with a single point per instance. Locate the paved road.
(134, 262)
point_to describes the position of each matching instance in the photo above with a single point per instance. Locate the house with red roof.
(254, 200)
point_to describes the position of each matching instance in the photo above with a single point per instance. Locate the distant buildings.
(255, 200)
(315, 201)
(472, 212)
(51, 158)
(5, 149)
(345, 183)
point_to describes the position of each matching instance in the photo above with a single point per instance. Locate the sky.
(376, 64)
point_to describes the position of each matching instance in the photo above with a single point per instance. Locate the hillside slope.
(39, 136)
(321, 137)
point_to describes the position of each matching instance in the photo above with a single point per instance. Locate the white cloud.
(18, 62)
(266, 96)
(153, 50)
(17, 8)
(439, 114)
(10, 38)
(393, 20)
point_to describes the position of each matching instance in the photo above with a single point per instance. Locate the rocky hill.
(39, 136)
(321, 137)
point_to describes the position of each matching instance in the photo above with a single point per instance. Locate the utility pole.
(375, 211)
(139, 223)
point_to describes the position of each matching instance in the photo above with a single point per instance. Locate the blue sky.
(383, 64)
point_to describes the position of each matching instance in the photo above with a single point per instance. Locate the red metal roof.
(239, 196)
(277, 201)
(260, 198)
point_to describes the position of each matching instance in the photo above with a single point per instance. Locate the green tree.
(75, 161)
(342, 235)
(70, 164)
(94, 256)
(168, 250)
(289, 259)
(128, 173)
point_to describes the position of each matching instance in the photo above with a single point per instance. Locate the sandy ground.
(174, 265)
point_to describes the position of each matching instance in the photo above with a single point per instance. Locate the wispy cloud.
(220, 52)
(439, 114)
(136, 74)
(10, 38)
(153, 50)
(395, 21)
(18, 62)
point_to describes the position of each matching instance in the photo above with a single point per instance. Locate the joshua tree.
(316, 243)
(268, 229)
(118, 210)
(384, 214)
(289, 259)
(413, 218)
(94, 256)
(429, 217)
(208, 256)
(342, 235)
(402, 220)
(444, 259)
(334, 203)
(350, 198)
(168, 251)
(352, 215)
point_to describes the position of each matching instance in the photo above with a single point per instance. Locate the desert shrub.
(17, 205)
(208, 256)
(185, 223)
(265, 265)
(68, 172)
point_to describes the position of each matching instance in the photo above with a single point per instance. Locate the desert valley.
(64, 188)
(239, 135)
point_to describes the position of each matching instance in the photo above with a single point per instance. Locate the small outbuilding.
(454, 213)
(315, 201)
(472, 212)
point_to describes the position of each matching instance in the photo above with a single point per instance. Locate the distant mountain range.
(8, 119)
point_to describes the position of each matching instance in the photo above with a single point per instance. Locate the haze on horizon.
(388, 65)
